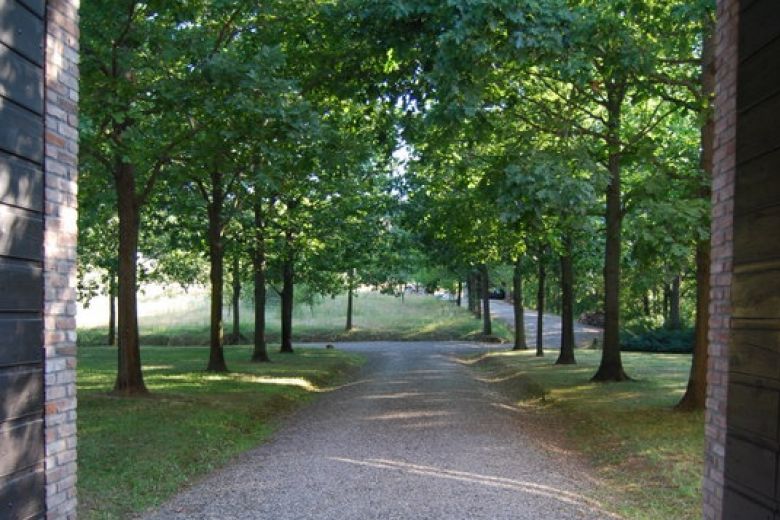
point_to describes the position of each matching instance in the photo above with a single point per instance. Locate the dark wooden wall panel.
(20, 340)
(22, 182)
(20, 497)
(21, 233)
(753, 439)
(20, 80)
(22, 30)
(21, 286)
(22, 443)
(22, 392)
(21, 132)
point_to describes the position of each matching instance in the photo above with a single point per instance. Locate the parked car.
(497, 294)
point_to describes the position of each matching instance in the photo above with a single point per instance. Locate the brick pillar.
(60, 234)
(722, 253)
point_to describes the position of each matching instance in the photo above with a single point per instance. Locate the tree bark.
(460, 293)
(566, 356)
(646, 303)
(487, 324)
(288, 285)
(517, 288)
(611, 367)
(129, 378)
(667, 298)
(350, 278)
(216, 275)
(111, 309)
(236, 336)
(540, 309)
(478, 295)
(260, 350)
(696, 392)
(674, 304)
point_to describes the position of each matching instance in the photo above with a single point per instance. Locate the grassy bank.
(376, 317)
(133, 453)
(648, 456)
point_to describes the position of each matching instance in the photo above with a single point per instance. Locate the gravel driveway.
(416, 437)
(551, 326)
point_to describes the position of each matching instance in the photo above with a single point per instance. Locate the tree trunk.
(540, 309)
(260, 351)
(611, 367)
(350, 281)
(566, 356)
(460, 293)
(216, 276)
(674, 304)
(696, 392)
(667, 298)
(472, 293)
(129, 378)
(646, 303)
(487, 324)
(478, 295)
(288, 284)
(517, 288)
(236, 336)
(111, 309)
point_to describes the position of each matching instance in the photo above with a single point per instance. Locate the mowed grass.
(376, 317)
(134, 453)
(648, 457)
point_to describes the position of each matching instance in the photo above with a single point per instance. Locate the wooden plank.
(21, 183)
(21, 233)
(755, 235)
(21, 286)
(757, 130)
(759, 76)
(756, 294)
(757, 185)
(759, 25)
(21, 30)
(21, 132)
(22, 392)
(22, 443)
(737, 506)
(36, 6)
(755, 353)
(754, 410)
(21, 340)
(751, 466)
(22, 496)
(20, 80)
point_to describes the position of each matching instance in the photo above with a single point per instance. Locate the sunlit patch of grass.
(133, 453)
(649, 457)
(376, 317)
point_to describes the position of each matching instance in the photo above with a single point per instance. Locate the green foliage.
(662, 340)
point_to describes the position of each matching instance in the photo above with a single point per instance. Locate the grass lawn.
(133, 453)
(376, 316)
(648, 457)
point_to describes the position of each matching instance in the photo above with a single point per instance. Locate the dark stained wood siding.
(753, 439)
(21, 245)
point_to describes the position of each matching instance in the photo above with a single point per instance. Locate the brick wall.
(61, 163)
(722, 252)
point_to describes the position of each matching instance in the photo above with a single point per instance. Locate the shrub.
(660, 340)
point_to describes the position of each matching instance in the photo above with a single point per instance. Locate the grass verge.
(647, 456)
(376, 317)
(134, 453)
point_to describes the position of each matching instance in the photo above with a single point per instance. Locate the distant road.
(583, 334)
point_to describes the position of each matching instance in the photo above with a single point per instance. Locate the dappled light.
(481, 480)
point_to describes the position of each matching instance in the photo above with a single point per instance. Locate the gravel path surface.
(551, 335)
(416, 437)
